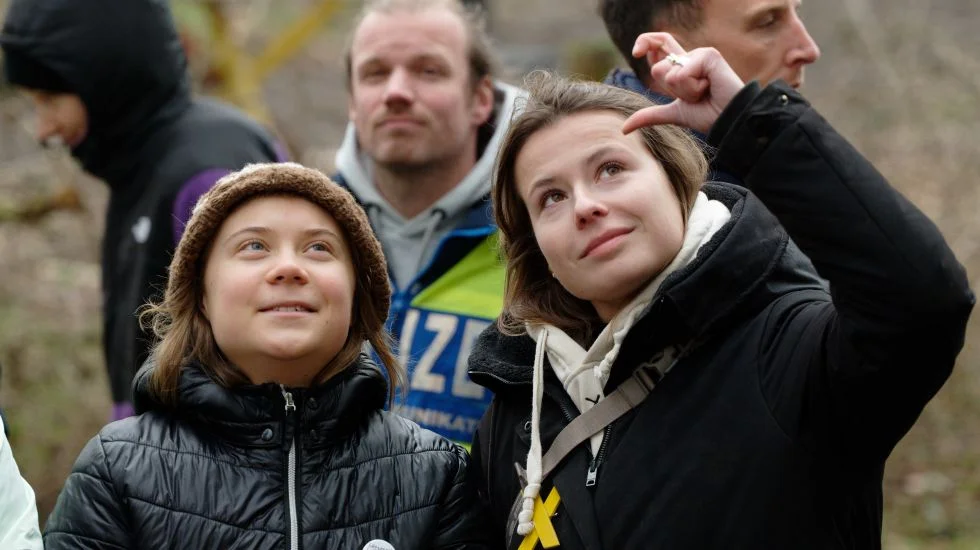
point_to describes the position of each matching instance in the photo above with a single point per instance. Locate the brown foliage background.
(899, 78)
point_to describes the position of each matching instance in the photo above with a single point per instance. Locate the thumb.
(652, 116)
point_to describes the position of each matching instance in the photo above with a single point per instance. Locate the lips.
(288, 307)
(400, 121)
(605, 237)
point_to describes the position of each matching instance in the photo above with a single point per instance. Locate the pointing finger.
(650, 116)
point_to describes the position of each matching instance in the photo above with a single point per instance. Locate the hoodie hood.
(410, 243)
(123, 58)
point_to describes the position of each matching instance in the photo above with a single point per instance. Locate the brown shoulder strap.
(628, 395)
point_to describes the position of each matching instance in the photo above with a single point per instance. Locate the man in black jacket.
(108, 79)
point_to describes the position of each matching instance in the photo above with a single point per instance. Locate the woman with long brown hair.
(671, 369)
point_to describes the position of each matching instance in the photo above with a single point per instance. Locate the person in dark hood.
(669, 370)
(260, 420)
(108, 79)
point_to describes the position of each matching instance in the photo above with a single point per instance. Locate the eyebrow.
(423, 57)
(772, 7)
(261, 230)
(591, 159)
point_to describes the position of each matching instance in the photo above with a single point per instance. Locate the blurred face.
(762, 40)
(279, 289)
(602, 208)
(412, 102)
(59, 115)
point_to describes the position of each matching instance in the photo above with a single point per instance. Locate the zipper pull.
(590, 477)
(290, 404)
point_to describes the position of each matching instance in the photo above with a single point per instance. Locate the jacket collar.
(627, 80)
(247, 415)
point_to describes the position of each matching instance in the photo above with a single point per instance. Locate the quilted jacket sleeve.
(89, 513)
(462, 524)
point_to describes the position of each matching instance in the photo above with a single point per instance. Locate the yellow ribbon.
(543, 529)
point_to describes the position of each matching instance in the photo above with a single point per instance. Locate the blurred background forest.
(899, 78)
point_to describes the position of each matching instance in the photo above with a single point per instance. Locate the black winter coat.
(223, 469)
(773, 431)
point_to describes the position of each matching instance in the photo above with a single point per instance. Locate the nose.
(588, 209)
(398, 88)
(287, 270)
(805, 49)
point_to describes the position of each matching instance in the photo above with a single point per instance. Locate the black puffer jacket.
(773, 432)
(215, 472)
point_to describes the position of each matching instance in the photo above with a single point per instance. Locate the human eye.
(609, 169)
(431, 70)
(320, 247)
(550, 197)
(373, 73)
(767, 20)
(252, 246)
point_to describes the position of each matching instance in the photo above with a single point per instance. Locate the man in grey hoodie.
(426, 120)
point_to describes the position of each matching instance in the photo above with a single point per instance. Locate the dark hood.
(122, 57)
(242, 413)
(748, 263)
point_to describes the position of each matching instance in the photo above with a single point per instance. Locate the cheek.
(223, 293)
(339, 288)
(363, 108)
(448, 103)
(551, 243)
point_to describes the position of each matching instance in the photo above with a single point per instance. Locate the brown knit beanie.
(258, 180)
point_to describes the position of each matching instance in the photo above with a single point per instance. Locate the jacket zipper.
(291, 475)
(593, 472)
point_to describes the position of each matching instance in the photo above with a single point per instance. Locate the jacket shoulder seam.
(213, 458)
(201, 516)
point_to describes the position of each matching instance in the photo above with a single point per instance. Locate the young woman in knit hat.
(670, 372)
(261, 421)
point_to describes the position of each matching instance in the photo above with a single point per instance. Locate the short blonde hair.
(483, 62)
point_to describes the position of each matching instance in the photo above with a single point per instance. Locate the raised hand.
(701, 81)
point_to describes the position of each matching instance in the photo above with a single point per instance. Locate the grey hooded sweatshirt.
(410, 244)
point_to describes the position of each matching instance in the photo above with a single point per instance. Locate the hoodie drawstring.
(526, 517)
(435, 218)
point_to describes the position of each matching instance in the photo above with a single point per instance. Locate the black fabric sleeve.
(462, 523)
(89, 513)
(872, 358)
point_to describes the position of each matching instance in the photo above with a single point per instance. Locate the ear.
(482, 101)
